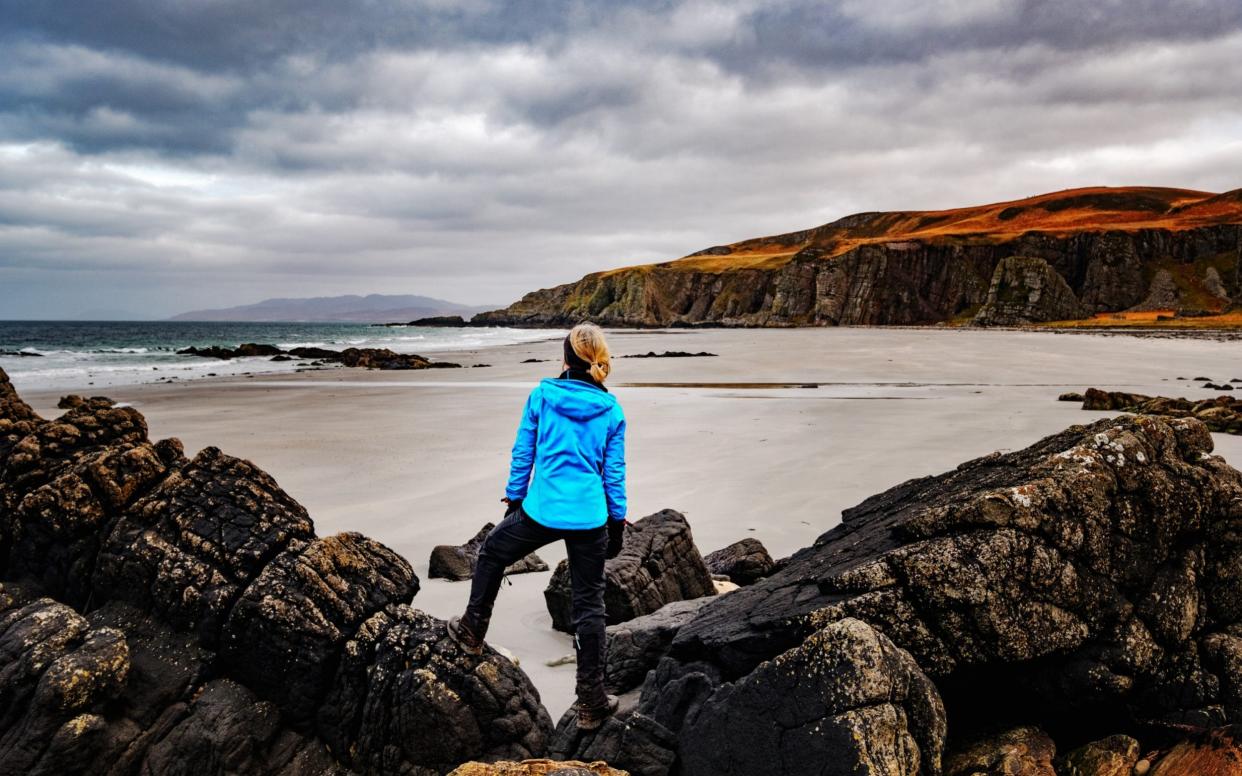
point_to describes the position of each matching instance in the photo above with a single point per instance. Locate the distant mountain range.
(372, 308)
(1065, 255)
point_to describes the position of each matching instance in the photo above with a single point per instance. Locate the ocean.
(80, 355)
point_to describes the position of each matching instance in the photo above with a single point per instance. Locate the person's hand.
(511, 505)
(616, 537)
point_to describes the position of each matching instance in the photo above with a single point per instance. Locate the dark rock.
(1112, 756)
(282, 358)
(1027, 289)
(457, 562)
(283, 634)
(315, 353)
(636, 646)
(534, 360)
(1090, 582)
(404, 692)
(221, 635)
(213, 351)
(1023, 751)
(188, 549)
(440, 320)
(845, 701)
(382, 358)
(744, 562)
(252, 349)
(658, 564)
(20, 353)
(1071, 396)
(1222, 414)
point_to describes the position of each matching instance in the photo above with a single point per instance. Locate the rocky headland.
(1073, 607)
(1062, 255)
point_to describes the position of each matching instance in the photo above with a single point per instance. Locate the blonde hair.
(588, 342)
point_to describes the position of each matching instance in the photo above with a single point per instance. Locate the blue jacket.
(572, 438)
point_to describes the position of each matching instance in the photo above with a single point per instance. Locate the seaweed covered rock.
(1092, 581)
(215, 632)
(457, 562)
(1112, 756)
(658, 564)
(744, 562)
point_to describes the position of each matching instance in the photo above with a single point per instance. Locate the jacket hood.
(575, 399)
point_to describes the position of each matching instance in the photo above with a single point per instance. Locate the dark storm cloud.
(225, 150)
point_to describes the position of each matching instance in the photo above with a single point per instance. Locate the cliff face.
(920, 268)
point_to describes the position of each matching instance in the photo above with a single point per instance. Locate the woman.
(566, 481)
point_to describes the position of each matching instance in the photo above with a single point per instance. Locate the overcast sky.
(162, 155)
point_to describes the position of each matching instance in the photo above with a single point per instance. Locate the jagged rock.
(314, 353)
(382, 358)
(1027, 289)
(404, 692)
(658, 564)
(1212, 753)
(537, 768)
(457, 562)
(1163, 294)
(187, 550)
(1112, 756)
(220, 635)
(1090, 582)
(1023, 751)
(1222, 414)
(743, 562)
(636, 646)
(284, 632)
(845, 701)
(56, 674)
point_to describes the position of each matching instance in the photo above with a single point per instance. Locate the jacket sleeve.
(614, 472)
(524, 449)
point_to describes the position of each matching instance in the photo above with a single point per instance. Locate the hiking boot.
(465, 638)
(591, 717)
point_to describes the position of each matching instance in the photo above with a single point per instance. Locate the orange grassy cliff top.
(1074, 210)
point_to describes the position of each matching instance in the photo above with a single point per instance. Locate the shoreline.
(419, 458)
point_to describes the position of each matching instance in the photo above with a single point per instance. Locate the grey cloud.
(478, 151)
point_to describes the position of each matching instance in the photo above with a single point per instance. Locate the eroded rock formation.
(658, 564)
(1089, 581)
(165, 615)
(1026, 289)
(744, 562)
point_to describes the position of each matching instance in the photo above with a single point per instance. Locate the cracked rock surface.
(1091, 581)
(658, 564)
(167, 615)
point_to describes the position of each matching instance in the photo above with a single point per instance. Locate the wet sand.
(771, 439)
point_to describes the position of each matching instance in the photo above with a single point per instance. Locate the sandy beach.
(416, 459)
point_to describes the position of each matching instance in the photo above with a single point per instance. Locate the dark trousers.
(517, 536)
